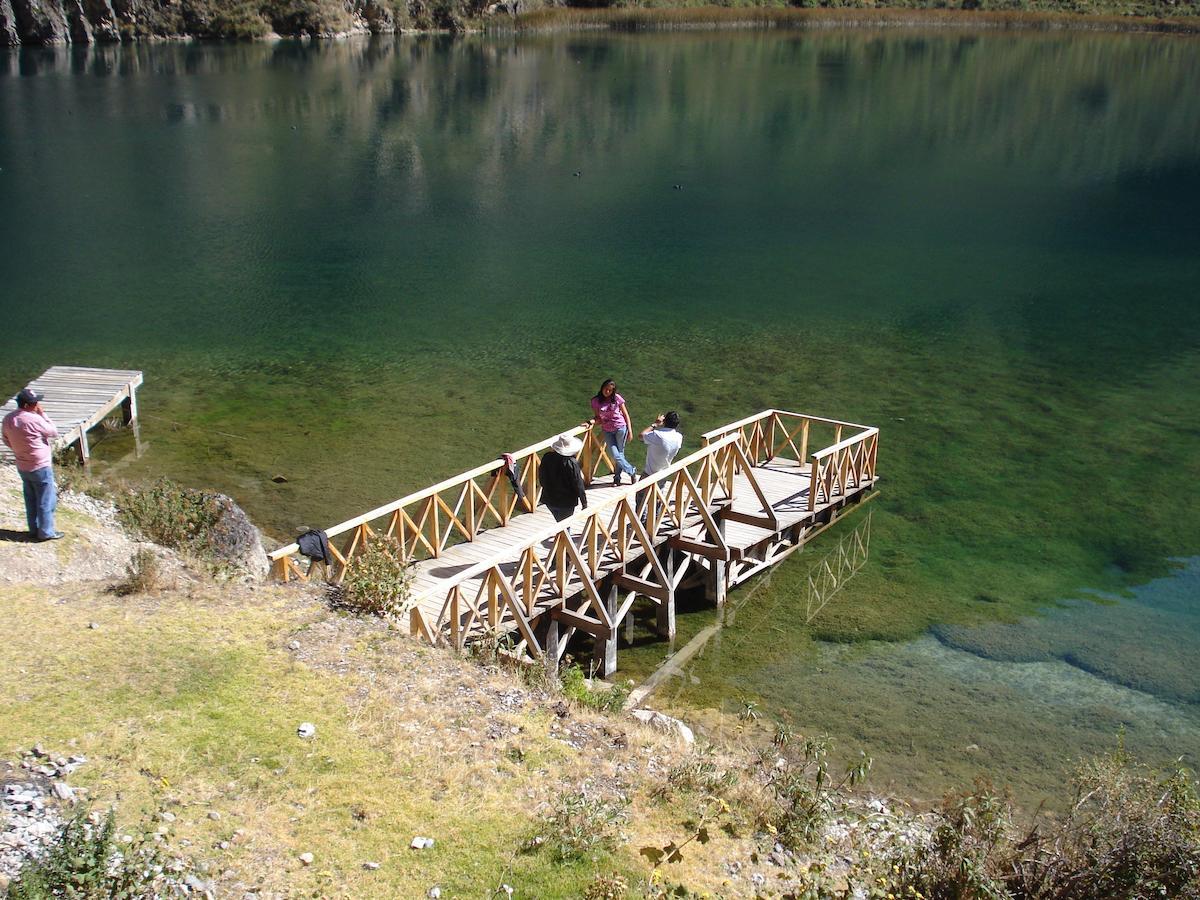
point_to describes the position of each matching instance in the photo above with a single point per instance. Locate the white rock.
(293, 645)
(665, 723)
(63, 791)
(306, 730)
(306, 859)
(214, 815)
(434, 892)
(370, 866)
(421, 843)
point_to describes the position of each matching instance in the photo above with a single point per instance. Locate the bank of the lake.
(54, 22)
(367, 265)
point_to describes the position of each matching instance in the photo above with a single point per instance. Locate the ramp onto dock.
(80, 398)
(486, 560)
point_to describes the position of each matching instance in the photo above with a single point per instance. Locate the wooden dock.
(485, 560)
(78, 399)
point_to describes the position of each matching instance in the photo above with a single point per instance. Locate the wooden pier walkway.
(486, 560)
(79, 398)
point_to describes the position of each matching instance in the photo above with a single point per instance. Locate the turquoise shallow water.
(366, 265)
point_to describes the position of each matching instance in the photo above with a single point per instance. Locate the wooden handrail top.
(708, 435)
(581, 516)
(843, 444)
(425, 493)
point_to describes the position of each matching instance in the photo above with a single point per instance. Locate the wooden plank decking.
(79, 398)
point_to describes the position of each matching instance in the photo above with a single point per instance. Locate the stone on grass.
(306, 730)
(306, 859)
(434, 892)
(370, 866)
(63, 791)
(214, 815)
(421, 843)
(666, 723)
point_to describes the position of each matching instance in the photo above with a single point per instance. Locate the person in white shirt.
(662, 440)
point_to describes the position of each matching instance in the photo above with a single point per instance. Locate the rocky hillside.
(91, 21)
(36, 22)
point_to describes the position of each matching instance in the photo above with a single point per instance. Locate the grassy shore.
(185, 698)
(1101, 16)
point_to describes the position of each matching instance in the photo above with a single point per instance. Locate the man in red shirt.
(30, 434)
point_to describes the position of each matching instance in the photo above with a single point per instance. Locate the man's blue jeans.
(615, 442)
(40, 500)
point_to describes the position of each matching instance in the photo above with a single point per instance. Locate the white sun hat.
(567, 445)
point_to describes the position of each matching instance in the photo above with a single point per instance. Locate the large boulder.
(235, 541)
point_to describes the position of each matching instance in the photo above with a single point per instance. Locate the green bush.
(580, 825)
(802, 796)
(378, 580)
(575, 687)
(172, 516)
(1132, 832)
(85, 862)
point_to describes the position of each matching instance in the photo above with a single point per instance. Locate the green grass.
(195, 704)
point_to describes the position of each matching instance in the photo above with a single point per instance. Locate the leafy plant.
(143, 573)
(698, 831)
(697, 773)
(607, 887)
(802, 794)
(575, 687)
(580, 824)
(172, 516)
(378, 580)
(1133, 832)
(86, 862)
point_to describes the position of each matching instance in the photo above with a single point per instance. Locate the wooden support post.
(718, 581)
(629, 626)
(550, 660)
(604, 652)
(129, 408)
(665, 610)
(85, 454)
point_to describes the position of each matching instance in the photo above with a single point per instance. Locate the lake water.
(367, 265)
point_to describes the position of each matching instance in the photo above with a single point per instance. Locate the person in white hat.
(561, 478)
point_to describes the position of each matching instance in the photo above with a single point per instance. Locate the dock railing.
(426, 522)
(842, 463)
(605, 538)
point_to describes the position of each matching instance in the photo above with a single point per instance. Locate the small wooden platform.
(80, 398)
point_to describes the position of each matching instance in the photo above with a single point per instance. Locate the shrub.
(575, 687)
(378, 580)
(170, 515)
(580, 825)
(86, 862)
(607, 887)
(1133, 832)
(142, 574)
(802, 798)
(697, 773)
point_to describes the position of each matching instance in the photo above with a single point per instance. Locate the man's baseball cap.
(28, 397)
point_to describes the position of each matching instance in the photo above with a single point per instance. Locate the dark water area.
(368, 265)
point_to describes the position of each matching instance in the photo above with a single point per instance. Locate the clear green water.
(367, 265)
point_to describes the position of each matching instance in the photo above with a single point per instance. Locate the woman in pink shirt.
(609, 407)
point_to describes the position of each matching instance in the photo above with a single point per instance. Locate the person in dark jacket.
(561, 478)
